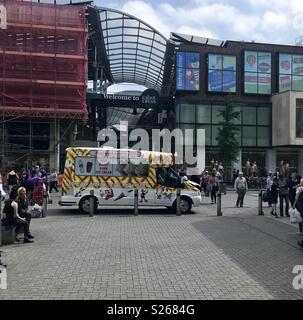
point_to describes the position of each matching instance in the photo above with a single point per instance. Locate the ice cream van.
(114, 174)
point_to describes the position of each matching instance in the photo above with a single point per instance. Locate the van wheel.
(84, 205)
(185, 205)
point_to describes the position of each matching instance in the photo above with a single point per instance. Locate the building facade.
(51, 50)
(43, 60)
(263, 81)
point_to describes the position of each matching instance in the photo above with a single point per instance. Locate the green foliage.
(227, 141)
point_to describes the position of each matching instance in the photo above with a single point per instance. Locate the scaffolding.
(43, 61)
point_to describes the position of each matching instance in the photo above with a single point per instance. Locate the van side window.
(161, 176)
(166, 177)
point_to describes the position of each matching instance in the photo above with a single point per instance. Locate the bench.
(7, 235)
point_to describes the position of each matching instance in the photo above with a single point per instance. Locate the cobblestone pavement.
(157, 255)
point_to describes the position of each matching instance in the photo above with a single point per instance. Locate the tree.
(227, 142)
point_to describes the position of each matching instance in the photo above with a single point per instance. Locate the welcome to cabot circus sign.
(149, 98)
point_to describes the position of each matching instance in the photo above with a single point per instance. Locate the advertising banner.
(188, 71)
(257, 75)
(221, 73)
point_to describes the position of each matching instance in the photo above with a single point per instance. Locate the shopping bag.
(36, 211)
(295, 216)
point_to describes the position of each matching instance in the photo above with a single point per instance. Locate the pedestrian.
(283, 195)
(12, 180)
(53, 181)
(11, 217)
(221, 168)
(241, 188)
(23, 212)
(274, 196)
(269, 182)
(213, 187)
(38, 189)
(3, 194)
(292, 188)
(298, 204)
(23, 178)
(204, 182)
(44, 177)
(35, 171)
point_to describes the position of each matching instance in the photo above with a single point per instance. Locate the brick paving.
(157, 255)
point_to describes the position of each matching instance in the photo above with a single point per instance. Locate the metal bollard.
(219, 204)
(44, 204)
(178, 209)
(91, 203)
(260, 204)
(136, 201)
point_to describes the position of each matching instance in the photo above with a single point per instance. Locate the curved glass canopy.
(135, 50)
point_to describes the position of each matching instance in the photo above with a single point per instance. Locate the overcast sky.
(273, 21)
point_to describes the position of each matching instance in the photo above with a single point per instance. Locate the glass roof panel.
(114, 15)
(134, 57)
(131, 23)
(114, 23)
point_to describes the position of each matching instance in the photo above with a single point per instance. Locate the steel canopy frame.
(136, 51)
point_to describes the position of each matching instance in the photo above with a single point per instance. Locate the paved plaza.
(156, 255)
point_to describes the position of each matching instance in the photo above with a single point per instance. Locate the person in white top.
(241, 188)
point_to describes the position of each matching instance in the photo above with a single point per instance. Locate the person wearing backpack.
(298, 204)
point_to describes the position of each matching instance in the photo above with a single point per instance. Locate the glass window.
(207, 133)
(238, 135)
(187, 113)
(177, 113)
(216, 118)
(188, 71)
(221, 73)
(299, 118)
(284, 63)
(284, 82)
(297, 83)
(237, 109)
(263, 136)
(250, 61)
(189, 138)
(203, 113)
(250, 82)
(257, 72)
(264, 116)
(249, 135)
(290, 72)
(249, 115)
(215, 133)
